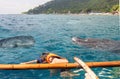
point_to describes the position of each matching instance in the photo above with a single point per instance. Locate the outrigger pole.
(58, 65)
(89, 73)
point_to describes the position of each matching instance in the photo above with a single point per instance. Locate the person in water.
(48, 58)
(52, 58)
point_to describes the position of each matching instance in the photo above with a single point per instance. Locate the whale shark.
(17, 41)
(101, 44)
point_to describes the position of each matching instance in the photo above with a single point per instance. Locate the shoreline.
(87, 13)
(69, 14)
(118, 13)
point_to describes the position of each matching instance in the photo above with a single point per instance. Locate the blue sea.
(53, 33)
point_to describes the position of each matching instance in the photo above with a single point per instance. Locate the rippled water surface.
(53, 33)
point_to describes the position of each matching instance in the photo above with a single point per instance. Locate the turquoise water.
(53, 33)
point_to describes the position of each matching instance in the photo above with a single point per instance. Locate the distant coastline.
(91, 13)
(117, 13)
(85, 7)
(79, 13)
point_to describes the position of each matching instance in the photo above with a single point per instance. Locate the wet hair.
(44, 53)
(42, 58)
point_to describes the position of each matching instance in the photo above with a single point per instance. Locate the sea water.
(53, 33)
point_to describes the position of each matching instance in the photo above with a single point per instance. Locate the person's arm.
(56, 60)
(29, 62)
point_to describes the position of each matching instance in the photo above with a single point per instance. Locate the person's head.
(42, 58)
(45, 53)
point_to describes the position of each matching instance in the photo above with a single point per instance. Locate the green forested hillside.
(74, 6)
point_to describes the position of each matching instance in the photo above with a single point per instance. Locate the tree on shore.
(115, 9)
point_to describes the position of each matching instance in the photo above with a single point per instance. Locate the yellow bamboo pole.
(58, 65)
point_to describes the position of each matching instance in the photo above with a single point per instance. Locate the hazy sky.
(18, 6)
